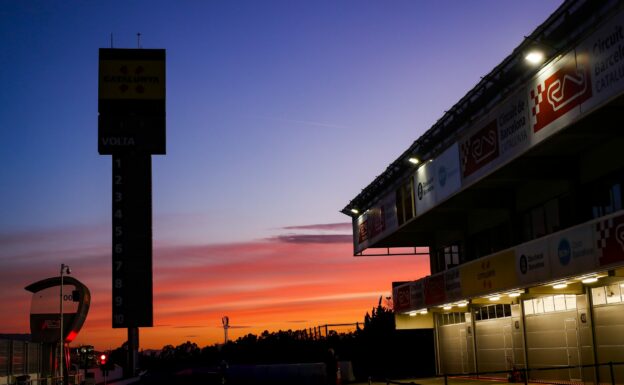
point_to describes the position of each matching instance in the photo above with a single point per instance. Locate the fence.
(19, 358)
(323, 331)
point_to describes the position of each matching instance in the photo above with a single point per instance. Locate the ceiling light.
(423, 311)
(515, 294)
(448, 307)
(495, 298)
(590, 280)
(413, 160)
(412, 314)
(462, 304)
(562, 285)
(535, 57)
(355, 211)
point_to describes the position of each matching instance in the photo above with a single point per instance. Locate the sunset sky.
(278, 113)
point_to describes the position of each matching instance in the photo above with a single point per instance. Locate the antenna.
(226, 325)
(139, 40)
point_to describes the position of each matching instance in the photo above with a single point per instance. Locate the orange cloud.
(261, 285)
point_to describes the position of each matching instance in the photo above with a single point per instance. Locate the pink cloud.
(343, 226)
(260, 285)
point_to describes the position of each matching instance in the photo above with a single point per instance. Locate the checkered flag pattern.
(465, 153)
(537, 95)
(603, 230)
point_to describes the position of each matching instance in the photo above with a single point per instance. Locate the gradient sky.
(278, 113)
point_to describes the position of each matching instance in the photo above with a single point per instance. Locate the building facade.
(516, 193)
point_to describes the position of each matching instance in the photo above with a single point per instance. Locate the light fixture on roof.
(514, 294)
(535, 56)
(423, 311)
(494, 298)
(412, 314)
(462, 304)
(447, 307)
(413, 160)
(560, 285)
(591, 279)
(355, 211)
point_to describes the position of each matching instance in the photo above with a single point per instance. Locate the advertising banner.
(418, 294)
(488, 274)
(448, 174)
(603, 51)
(479, 149)
(533, 262)
(504, 134)
(409, 296)
(434, 290)
(425, 188)
(609, 235)
(437, 180)
(556, 94)
(452, 285)
(401, 297)
(572, 252)
(379, 220)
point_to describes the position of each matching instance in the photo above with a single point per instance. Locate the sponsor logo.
(363, 231)
(564, 252)
(523, 264)
(403, 297)
(567, 88)
(373, 225)
(480, 149)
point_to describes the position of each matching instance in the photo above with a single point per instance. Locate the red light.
(102, 359)
(71, 336)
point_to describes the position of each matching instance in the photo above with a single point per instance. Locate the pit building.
(515, 194)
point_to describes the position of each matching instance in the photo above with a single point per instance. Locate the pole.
(133, 350)
(61, 342)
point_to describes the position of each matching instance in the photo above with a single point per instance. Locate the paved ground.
(440, 381)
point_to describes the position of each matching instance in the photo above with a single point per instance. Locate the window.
(605, 295)
(607, 199)
(542, 220)
(492, 312)
(549, 304)
(451, 318)
(451, 256)
(405, 202)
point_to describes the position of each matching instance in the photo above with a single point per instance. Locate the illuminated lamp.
(494, 298)
(355, 211)
(413, 160)
(412, 314)
(561, 285)
(424, 311)
(514, 294)
(447, 307)
(462, 304)
(534, 56)
(590, 279)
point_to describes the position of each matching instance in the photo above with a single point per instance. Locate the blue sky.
(278, 112)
